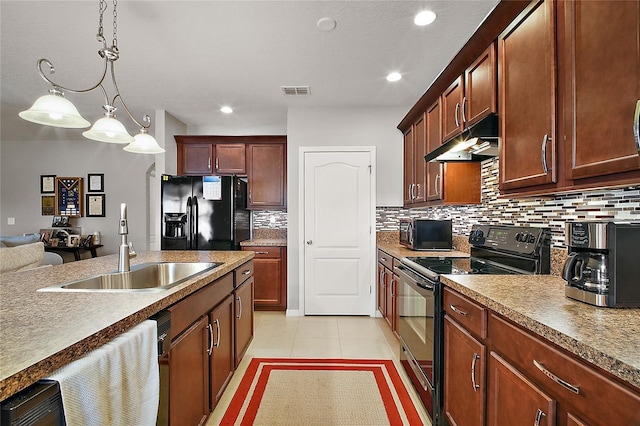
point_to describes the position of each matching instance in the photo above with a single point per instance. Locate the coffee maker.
(603, 266)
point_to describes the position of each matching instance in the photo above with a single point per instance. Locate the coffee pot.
(587, 270)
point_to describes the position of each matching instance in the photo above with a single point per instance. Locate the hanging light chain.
(101, 8)
(115, 23)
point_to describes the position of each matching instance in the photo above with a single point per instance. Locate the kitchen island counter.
(607, 338)
(42, 331)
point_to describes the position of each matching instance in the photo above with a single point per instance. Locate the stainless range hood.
(477, 143)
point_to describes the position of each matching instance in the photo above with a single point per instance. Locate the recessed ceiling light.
(226, 109)
(394, 76)
(424, 18)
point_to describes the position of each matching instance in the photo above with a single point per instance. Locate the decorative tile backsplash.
(551, 211)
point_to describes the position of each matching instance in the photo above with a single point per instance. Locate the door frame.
(301, 223)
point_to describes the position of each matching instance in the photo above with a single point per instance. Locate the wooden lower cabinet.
(270, 275)
(221, 322)
(188, 376)
(387, 289)
(499, 373)
(243, 300)
(513, 399)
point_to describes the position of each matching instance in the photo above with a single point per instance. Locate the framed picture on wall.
(47, 184)
(48, 205)
(69, 196)
(96, 182)
(95, 205)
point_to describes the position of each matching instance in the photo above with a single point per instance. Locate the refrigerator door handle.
(188, 233)
(194, 236)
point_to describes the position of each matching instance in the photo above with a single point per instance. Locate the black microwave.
(426, 234)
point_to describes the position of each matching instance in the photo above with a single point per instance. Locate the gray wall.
(128, 178)
(308, 127)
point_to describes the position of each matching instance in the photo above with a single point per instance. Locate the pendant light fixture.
(57, 111)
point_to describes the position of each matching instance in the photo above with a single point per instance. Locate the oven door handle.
(414, 278)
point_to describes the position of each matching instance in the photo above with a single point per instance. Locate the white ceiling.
(192, 57)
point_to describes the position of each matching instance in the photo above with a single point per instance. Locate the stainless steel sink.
(144, 277)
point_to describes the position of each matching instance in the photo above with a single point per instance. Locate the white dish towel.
(116, 384)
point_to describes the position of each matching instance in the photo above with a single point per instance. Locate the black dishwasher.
(38, 405)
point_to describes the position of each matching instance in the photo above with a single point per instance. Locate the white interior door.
(338, 232)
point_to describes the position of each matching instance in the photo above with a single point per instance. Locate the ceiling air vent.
(295, 90)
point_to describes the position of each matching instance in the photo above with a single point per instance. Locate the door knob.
(309, 242)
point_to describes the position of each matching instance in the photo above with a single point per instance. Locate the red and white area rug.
(289, 391)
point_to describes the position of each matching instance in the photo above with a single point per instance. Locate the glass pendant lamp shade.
(54, 110)
(144, 143)
(108, 129)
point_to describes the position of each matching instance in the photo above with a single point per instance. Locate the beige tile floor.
(277, 335)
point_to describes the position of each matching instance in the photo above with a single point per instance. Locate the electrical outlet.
(11, 221)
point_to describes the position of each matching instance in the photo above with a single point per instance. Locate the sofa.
(25, 252)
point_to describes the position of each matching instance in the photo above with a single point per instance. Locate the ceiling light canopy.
(226, 109)
(424, 18)
(57, 111)
(394, 76)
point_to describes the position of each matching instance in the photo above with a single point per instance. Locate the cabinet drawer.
(187, 311)
(467, 313)
(243, 273)
(385, 259)
(594, 396)
(266, 252)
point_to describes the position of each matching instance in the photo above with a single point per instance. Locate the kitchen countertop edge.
(549, 314)
(18, 379)
(264, 242)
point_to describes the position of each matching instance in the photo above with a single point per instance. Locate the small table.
(75, 250)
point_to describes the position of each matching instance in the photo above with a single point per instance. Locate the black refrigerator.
(204, 213)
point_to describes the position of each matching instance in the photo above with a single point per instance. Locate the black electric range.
(494, 250)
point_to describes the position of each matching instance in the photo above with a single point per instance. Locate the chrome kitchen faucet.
(126, 251)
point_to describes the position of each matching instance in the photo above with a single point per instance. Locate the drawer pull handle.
(556, 379)
(539, 416)
(246, 272)
(636, 125)
(457, 310)
(262, 252)
(476, 386)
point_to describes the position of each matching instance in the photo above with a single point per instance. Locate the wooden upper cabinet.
(230, 159)
(434, 140)
(471, 97)
(408, 167)
(195, 159)
(527, 89)
(602, 86)
(480, 88)
(451, 109)
(266, 175)
(419, 165)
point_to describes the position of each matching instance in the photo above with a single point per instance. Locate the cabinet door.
(243, 305)
(513, 399)
(408, 168)
(188, 376)
(197, 159)
(266, 172)
(419, 165)
(382, 291)
(230, 159)
(527, 88)
(270, 281)
(389, 299)
(221, 322)
(480, 90)
(434, 140)
(461, 182)
(602, 86)
(452, 110)
(464, 376)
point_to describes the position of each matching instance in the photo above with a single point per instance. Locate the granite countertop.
(608, 338)
(398, 251)
(42, 331)
(264, 242)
